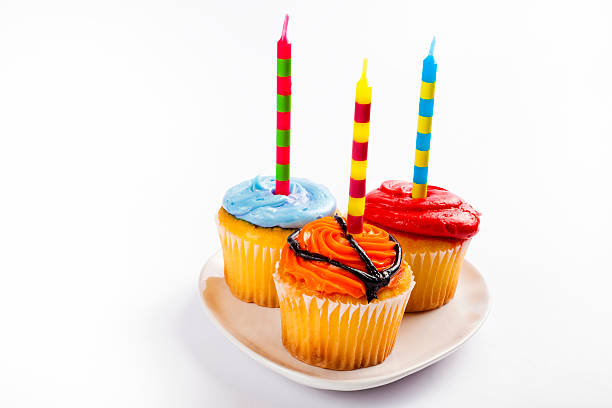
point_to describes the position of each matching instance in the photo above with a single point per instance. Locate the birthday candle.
(283, 111)
(359, 161)
(426, 104)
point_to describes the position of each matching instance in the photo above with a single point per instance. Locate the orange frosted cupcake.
(434, 233)
(342, 296)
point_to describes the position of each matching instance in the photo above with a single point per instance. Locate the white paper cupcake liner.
(338, 335)
(436, 274)
(248, 268)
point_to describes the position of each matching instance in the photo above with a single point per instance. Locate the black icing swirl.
(373, 279)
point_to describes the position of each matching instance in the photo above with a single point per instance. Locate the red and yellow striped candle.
(283, 111)
(359, 161)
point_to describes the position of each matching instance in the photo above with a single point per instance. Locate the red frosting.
(441, 214)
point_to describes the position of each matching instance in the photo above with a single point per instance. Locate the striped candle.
(283, 111)
(359, 161)
(426, 104)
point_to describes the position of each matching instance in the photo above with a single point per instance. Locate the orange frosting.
(324, 236)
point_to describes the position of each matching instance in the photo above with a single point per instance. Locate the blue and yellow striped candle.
(426, 104)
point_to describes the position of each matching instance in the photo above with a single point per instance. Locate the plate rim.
(335, 384)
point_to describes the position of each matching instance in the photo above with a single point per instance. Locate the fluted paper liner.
(248, 268)
(337, 335)
(436, 272)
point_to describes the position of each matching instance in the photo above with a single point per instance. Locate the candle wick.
(432, 46)
(365, 68)
(284, 34)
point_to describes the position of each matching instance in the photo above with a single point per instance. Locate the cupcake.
(434, 233)
(342, 297)
(254, 224)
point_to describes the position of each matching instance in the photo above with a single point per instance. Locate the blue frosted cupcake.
(254, 224)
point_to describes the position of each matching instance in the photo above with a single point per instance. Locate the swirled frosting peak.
(254, 201)
(329, 260)
(440, 214)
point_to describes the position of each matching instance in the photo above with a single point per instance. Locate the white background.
(122, 123)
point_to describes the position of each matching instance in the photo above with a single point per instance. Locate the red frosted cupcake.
(434, 233)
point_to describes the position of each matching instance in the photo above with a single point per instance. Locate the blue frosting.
(254, 201)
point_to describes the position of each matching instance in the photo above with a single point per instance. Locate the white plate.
(423, 338)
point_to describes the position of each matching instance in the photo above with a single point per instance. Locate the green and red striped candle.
(283, 111)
